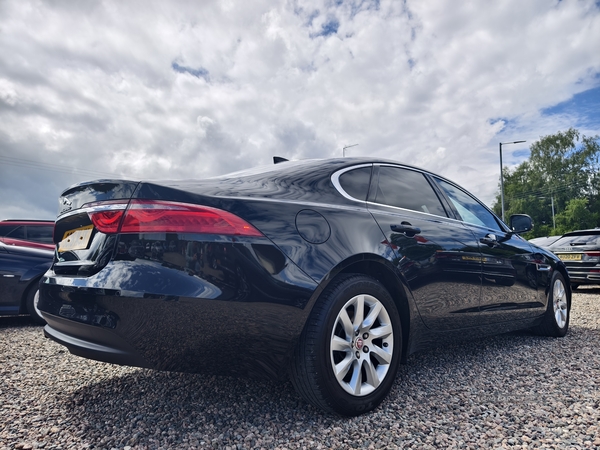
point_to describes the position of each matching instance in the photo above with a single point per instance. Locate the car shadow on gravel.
(588, 290)
(153, 408)
(170, 408)
(17, 321)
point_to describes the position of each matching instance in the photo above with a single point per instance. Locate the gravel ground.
(511, 391)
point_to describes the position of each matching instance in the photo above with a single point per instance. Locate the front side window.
(469, 209)
(408, 189)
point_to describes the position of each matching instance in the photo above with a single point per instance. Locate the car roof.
(291, 167)
(294, 168)
(591, 231)
(276, 180)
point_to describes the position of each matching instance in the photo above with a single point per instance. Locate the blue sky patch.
(329, 27)
(198, 73)
(521, 153)
(363, 5)
(585, 106)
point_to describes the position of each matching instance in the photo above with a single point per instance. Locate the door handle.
(406, 229)
(489, 239)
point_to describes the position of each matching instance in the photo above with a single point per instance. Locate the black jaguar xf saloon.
(329, 272)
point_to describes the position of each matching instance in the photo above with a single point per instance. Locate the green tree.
(576, 216)
(562, 167)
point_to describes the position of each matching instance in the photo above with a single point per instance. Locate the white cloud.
(190, 89)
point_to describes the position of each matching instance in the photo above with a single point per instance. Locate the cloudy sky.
(190, 89)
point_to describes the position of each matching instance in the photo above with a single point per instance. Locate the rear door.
(438, 255)
(510, 268)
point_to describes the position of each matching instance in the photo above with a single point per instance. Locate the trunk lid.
(80, 248)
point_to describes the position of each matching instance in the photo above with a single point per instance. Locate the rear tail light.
(106, 216)
(152, 216)
(592, 256)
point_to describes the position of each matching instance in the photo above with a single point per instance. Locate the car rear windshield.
(587, 240)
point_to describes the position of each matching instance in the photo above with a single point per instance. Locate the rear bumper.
(117, 353)
(579, 276)
(227, 317)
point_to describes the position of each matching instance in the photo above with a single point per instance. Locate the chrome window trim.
(335, 179)
(336, 183)
(402, 166)
(413, 211)
(436, 217)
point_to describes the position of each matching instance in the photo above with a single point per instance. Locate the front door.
(510, 288)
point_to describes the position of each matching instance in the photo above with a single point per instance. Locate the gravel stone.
(517, 391)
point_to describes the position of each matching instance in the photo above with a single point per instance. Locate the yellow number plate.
(569, 256)
(75, 239)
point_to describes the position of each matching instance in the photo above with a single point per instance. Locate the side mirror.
(520, 223)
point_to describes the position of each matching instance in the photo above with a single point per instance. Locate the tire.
(555, 322)
(33, 296)
(354, 330)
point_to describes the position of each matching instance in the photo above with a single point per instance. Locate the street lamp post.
(553, 219)
(553, 216)
(502, 175)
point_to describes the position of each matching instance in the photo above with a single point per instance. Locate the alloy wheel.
(559, 298)
(361, 345)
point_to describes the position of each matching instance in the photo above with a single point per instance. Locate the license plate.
(569, 256)
(76, 239)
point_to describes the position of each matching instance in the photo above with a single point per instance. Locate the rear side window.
(356, 182)
(407, 189)
(41, 234)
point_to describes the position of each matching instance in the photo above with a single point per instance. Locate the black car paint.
(20, 271)
(240, 307)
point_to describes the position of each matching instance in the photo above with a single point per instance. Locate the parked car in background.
(28, 233)
(327, 271)
(545, 241)
(20, 271)
(580, 251)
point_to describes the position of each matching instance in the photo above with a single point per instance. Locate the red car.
(28, 233)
